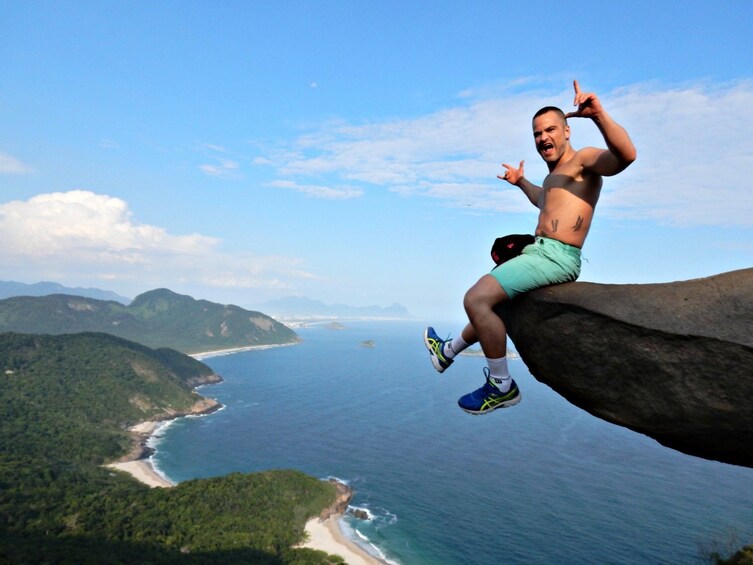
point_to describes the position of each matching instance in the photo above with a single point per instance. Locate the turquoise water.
(542, 482)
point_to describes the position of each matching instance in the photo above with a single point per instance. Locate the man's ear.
(567, 132)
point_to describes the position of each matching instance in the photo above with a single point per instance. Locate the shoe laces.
(490, 385)
(440, 343)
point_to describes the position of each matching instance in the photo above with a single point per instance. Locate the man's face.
(551, 135)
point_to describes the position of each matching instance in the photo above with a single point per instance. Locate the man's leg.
(469, 334)
(487, 327)
(442, 352)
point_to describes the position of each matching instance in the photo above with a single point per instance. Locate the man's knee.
(484, 295)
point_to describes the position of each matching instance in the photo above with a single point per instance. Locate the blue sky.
(348, 151)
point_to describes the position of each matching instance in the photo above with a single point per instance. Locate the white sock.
(499, 372)
(452, 348)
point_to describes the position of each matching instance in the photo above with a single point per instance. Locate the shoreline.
(218, 352)
(143, 471)
(324, 535)
(136, 465)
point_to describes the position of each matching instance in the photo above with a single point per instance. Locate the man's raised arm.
(620, 149)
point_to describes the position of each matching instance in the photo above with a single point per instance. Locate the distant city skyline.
(348, 153)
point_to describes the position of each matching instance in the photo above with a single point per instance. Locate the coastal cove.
(323, 533)
(384, 422)
(137, 464)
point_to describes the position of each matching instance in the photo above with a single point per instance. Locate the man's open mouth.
(546, 148)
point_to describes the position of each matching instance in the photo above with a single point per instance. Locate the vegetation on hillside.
(65, 405)
(159, 318)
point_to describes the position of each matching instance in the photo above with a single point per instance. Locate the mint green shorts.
(543, 263)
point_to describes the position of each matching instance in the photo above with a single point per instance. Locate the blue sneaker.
(435, 345)
(488, 398)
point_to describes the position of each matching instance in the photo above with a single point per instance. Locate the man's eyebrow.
(547, 128)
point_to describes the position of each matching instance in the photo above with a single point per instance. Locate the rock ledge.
(673, 361)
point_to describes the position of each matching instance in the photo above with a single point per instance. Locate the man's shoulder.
(578, 160)
(589, 157)
(589, 152)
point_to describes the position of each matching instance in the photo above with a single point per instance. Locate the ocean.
(541, 482)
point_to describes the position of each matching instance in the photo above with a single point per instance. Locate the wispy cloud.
(316, 191)
(695, 156)
(109, 144)
(10, 165)
(212, 147)
(223, 168)
(80, 234)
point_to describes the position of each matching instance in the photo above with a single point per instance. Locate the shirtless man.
(566, 201)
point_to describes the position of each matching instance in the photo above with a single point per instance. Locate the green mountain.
(87, 389)
(66, 403)
(159, 318)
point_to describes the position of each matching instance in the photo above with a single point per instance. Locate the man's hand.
(621, 151)
(515, 176)
(587, 102)
(512, 175)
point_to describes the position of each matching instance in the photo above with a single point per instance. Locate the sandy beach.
(326, 536)
(218, 352)
(142, 471)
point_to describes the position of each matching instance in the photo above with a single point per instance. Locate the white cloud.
(80, 235)
(87, 225)
(456, 145)
(224, 168)
(316, 191)
(695, 157)
(10, 165)
(212, 147)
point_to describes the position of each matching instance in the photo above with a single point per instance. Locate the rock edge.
(673, 361)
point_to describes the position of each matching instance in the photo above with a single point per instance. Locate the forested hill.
(159, 318)
(66, 403)
(87, 389)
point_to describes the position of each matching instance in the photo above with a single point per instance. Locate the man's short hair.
(547, 109)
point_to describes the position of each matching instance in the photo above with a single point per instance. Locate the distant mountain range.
(159, 318)
(9, 289)
(302, 307)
